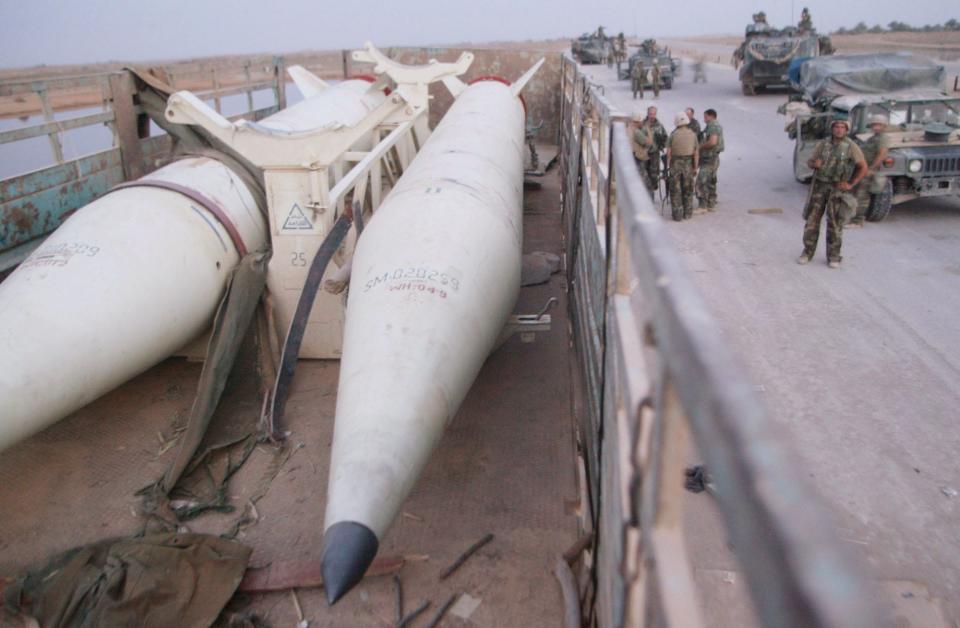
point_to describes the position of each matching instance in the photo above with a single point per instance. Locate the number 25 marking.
(298, 258)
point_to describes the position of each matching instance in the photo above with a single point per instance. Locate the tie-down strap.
(204, 201)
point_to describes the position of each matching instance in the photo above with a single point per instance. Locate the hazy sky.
(79, 31)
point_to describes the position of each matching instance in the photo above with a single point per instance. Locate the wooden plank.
(122, 90)
(245, 88)
(17, 87)
(15, 135)
(54, 136)
(58, 175)
(280, 82)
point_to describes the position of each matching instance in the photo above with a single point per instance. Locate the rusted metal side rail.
(35, 203)
(665, 375)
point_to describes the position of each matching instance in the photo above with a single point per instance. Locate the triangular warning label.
(296, 219)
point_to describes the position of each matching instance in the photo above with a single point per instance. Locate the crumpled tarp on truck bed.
(841, 75)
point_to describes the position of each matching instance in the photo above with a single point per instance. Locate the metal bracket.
(528, 325)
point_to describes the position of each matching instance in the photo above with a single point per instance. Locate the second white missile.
(435, 277)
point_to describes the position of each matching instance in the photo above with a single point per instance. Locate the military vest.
(683, 142)
(871, 147)
(713, 128)
(640, 149)
(838, 160)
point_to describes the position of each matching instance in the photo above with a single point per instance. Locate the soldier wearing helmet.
(659, 134)
(875, 150)
(806, 22)
(838, 166)
(642, 140)
(683, 159)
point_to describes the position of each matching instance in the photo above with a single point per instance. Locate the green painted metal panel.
(33, 215)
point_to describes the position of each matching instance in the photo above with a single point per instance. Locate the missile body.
(135, 275)
(435, 277)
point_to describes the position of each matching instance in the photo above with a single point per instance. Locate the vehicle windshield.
(917, 113)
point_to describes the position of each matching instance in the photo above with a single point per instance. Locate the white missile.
(137, 274)
(434, 280)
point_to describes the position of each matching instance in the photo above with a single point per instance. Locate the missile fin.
(521, 82)
(454, 85)
(306, 81)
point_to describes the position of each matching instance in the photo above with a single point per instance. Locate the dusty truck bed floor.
(506, 465)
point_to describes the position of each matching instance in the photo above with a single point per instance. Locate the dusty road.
(860, 366)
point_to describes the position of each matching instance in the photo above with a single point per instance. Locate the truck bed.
(507, 466)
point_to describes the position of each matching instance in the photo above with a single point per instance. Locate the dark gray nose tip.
(348, 550)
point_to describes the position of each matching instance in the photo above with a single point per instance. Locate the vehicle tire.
(880, 203)
(668, 84)
(747, 89)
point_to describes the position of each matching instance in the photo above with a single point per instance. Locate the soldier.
(642, 144)
(806, 22)
(838, 166)
(875, 150)
(637, 76)
(699, 73)
(655, 79)
(620, 50)
(682, 162)
(659, 134)
(694, 123)
(710, 148)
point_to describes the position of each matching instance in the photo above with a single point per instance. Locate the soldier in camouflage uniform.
(682, 163)
(806, 22)
(637, 76)
(655, 79)
(710, 148)
(838, 166)
(659, 134)
(875, 150)
(642, 141)
(694, 123)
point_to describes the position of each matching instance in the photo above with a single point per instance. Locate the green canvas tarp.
(824, 78)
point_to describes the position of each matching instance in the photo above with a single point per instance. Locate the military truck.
(766, 53)
(924, 122)
(592, 48)
(649, 53)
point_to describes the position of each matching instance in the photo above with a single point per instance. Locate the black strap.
(274, 407)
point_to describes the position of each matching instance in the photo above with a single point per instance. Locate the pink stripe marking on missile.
(205, 201)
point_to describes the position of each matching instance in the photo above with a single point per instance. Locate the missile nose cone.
(348, 549)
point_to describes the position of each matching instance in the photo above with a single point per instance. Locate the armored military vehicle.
(924, 122)
(649, 53)
(592, 48)
(766, 53)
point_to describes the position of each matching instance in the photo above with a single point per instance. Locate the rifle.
(665, 177)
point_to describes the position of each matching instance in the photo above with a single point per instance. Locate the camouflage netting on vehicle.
(841, 75)
(779, 49)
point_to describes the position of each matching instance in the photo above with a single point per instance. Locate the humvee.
(924, 122)
(649, 53)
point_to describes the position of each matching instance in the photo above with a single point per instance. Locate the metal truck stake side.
(435, 277)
